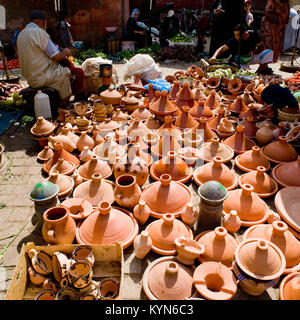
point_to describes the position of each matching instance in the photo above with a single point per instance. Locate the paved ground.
(20, 224)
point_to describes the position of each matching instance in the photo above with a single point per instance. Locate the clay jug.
(141, 212)
(189, 215)
(127, 192)
(142, 245)
(264, 135)
(231, 221)
(58, 227)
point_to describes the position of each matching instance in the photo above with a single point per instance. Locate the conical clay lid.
(251, 159)
(214, 149)
(287, 174)
(42, 127)
(95, 166)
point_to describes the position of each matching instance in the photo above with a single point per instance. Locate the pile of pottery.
(69, 278)
(121, 163)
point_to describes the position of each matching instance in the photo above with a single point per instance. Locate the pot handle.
(32, 253)
(50, 234)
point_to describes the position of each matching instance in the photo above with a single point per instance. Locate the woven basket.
(92, 84)
(288, 114)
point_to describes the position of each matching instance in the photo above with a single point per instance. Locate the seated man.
(42, 63)
(251, 45)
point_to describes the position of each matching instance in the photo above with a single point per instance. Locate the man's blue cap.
(37, 14)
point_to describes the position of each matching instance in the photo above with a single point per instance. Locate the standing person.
(290, 31)
(134, 32)
(273, 25)
(169, 28)
(249, 15)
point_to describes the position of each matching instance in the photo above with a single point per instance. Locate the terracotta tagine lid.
(265, 135)
(216, 171)
(238, 142)
(79, 208)
(165, 231)
(185, 120)
(60, 152)
(172, 165)
(42, 127)
(107, 126)
(188, 250)
(131, 100)
(280, 151)
(251, 112)
(278, 233)
(263, 184)
(168, 279)
(166, 196)
(137, 128)
(119, 116)
(214, 281)
(95, 190)
(108, 225)
(287, 203)
(215, 122)
(68, 144)
(85, 141)
(63, 167)
(174, 90)
(216, 149)
(247, 98)
(219, 246)
(185, 96)
(151, 92)
(45, 154)
(111, 96)
(208, 134)
(137, 84)
(289, 288)
(109, 151)
(169, 128)
(250, 207)
(65, 183)
(200, 110)
(142, 113)
(260, 259)
(287, 174)
(250, 128)
(97, 138)
(165, 144)
(238, 106)
(251, 159)
(95, 166)
(212, 101)
(163, 106)
(152, 124)
(199, 95)
(140, 141)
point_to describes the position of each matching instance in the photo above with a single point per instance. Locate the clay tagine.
(188, 250)
(200, 110)
(287, 174)
(42, 127)
(65, 183)
(185, 97)
(94, 166)
(216, 149)
(238, 106)
(289, 288)
(212, 100)
(111, 96)
(185, 120)
(251, 159)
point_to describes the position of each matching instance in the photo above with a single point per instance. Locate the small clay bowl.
(41, 261)
(79, 208)
(66, 293)
(36, 278)
(46, 294)
(108, 289)
(80, 274)
(85, 253)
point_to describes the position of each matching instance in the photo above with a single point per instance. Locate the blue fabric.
(51, 50)
(134, 11)
(264, 53)
(159, 85)
(15, 37)
(8, 118)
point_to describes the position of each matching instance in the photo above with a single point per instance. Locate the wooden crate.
(109, 262)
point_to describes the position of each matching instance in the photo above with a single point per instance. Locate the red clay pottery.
(65, 183)
(287, 174)
(108, 289)
(273, 216)
(151, 92)
(168, 279)
(225, 129)
(252, 112)
(250, 128)
(35, 277)
(190, 155)
(219, 246)
(213, 83)
(131, 103)
(95, 166)
(189, 215)
(231, 222)
(109, 151)
(137, 84)
(212, 100)
(238, 142)
(68, 144)
(76, 178)
(60, 152)
(234, 86)
(280, 131)
(166, 143)
(85, 253)
(141, 212)
(45, 154)
(263, 184)
(238, 106)
(216, 171)
(216, 149)
(264, 135)
(185, 120)
(163, 106)
(188, 250)
(111, 96)
(169, 128)
(137, 128)
(79, 208)
(107, 225)
(215, 122)
(185, 97)
(287, 203)
(119, 136)
(63, 167)
(278, 233)
(119, 116)
(108, 126)
(66, 293)
(200, 110)
(191, 139)
(42, 127)
(80, 274)
(85, 141)
(214, 281)
(289, 288)
(40, 261)
(142, 245)
(127, 192)
(58, 227)
(86, 154)
(45, 294)
(51, 284)
(60, 266)
(199, 95)
(152, 123)
(250, 207)
(95, 190)
(172, 165)
(166, 196)
(163, 233)
(247, 98)
(205, 130)
(212, 195)
(142, 113)
(250, 160)
(280, 151)
(65, 131)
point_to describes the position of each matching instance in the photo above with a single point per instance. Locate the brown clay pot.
(225, 129)
(86, 154)
(188, 250)
(264, 135)
(280, 151)
(79, 208)
(80, 274)
(214, 281)
(251, 159)
(65, 183)
(58, 227)
(263, 184)
(127, 192)
(216, 171)
(66, 293)
(213, 83)
(247, 98)
(250, 207)
(111, 96)
(231, 222)
(40, 261)
(141, 212)
(289, 288)
(190, 155)
(94, 166)
(208, 134)
(95, 190)
(216, 149)
(238, 106)
(42, 127)
(67, 143)
(234, 86)
(35, 277)
(166, 196)
(108, 289)
(76, 178)
(60, 266)
(189, 215)
(250, 128)
(152, 124)
(200, 110)
(45, 154)
(185, 120)
(85, 253)
(185, 97)
(278, 233)
(63, 167)
(45, 294)
(212, 101)
(219, 246)
(106, 225)
(142, 245)
(163, 106)
(287, 174)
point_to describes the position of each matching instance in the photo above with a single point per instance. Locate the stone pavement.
(20, 224)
